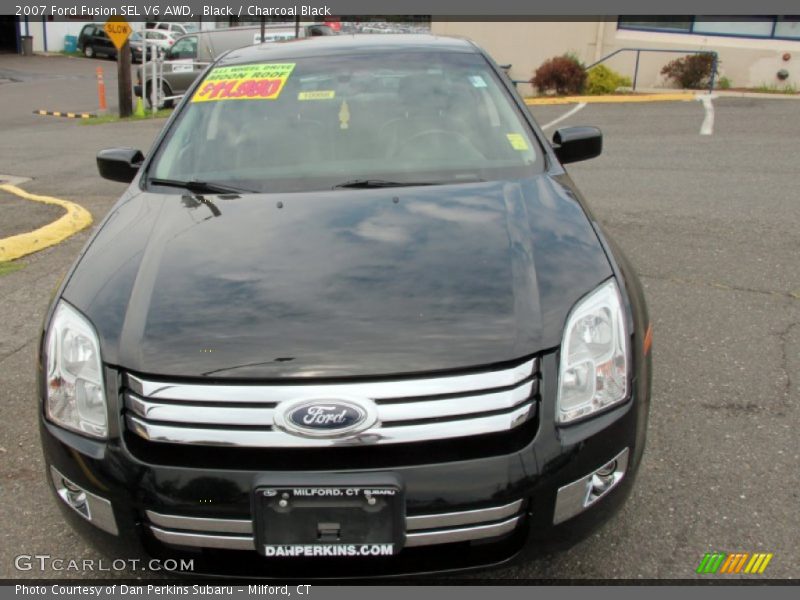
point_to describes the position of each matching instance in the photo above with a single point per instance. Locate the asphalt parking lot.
(710, 221)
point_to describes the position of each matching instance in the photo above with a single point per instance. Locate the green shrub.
(560, 74)
(602, 80)
(691, 72)
(724, 83)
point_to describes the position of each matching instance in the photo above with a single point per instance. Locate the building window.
(787, 28)
(751, 27)
(671, 24)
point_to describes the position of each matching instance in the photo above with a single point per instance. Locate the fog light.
(607, 469)
(93, 508)
(75, 497)
(603, 478)
(579, 495)
(601, 484)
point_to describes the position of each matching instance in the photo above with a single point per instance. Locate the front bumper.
(461, 514)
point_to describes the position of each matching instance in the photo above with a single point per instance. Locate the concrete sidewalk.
(654, 95)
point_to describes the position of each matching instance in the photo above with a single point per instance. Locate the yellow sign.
(244, 82)
(517, 141)
(318, 95)
(118, 30)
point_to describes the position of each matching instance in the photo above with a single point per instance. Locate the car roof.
(347, 44)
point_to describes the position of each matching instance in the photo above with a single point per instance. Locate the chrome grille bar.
(203, 524)
(464, 534)
(255, 438)
(402, 411)
(423, 538)
(423, 530)
(409, 410)
(377, 390)
(466, 517)
(413, 523)
(204, 540)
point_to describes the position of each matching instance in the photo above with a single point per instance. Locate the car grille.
(421, 530)
(410, 410)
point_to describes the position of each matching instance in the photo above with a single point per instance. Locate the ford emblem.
(326, 418)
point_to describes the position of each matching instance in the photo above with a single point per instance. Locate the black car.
(351, 317)
(93, 41)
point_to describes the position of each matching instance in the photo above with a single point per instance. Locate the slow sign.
(118, 30)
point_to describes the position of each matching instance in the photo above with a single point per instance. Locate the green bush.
(690, 72)
(560, 74)
(602, 80)
(724, 83)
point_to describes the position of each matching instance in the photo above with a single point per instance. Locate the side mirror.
(119, 164)
(577, 143)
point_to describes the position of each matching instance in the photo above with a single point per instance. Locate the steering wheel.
(455, 135)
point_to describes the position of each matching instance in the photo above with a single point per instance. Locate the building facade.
(753, 52)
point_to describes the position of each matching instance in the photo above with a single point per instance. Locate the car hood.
(337, 284)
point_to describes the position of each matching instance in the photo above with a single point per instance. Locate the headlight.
(76, 396)
(593, 374)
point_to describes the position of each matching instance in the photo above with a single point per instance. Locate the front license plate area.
(329, 520)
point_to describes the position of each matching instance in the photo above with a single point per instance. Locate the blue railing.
(638, 51)
(507, 68)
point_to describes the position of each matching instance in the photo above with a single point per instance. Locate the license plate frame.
(329, 516)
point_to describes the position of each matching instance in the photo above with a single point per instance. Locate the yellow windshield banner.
(244, 82)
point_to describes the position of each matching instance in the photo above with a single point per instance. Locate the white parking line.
(707, 128)
(566, 115)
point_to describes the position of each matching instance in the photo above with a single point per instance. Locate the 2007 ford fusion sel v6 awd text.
(351, 317)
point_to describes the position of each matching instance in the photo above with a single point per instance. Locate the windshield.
(317, 123)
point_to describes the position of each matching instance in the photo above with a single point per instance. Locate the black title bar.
(193, 10)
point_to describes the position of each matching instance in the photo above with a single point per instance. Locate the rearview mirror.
(119, 164)
(577, 143)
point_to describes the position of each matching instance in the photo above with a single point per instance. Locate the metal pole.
(143, 68)
(153, 84)
(44, 32)
(713, 73)
(263, 26)
(636, 70)
(297, 27)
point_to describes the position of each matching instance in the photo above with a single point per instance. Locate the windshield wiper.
(380, 183)
(200, 187)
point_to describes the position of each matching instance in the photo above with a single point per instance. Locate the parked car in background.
(162, 39)
(351, 317)
(137, 47)
(175, 29)
(190, 54)
(94, 41)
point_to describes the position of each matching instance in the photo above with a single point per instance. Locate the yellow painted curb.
(677, 97)
(72, 222)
